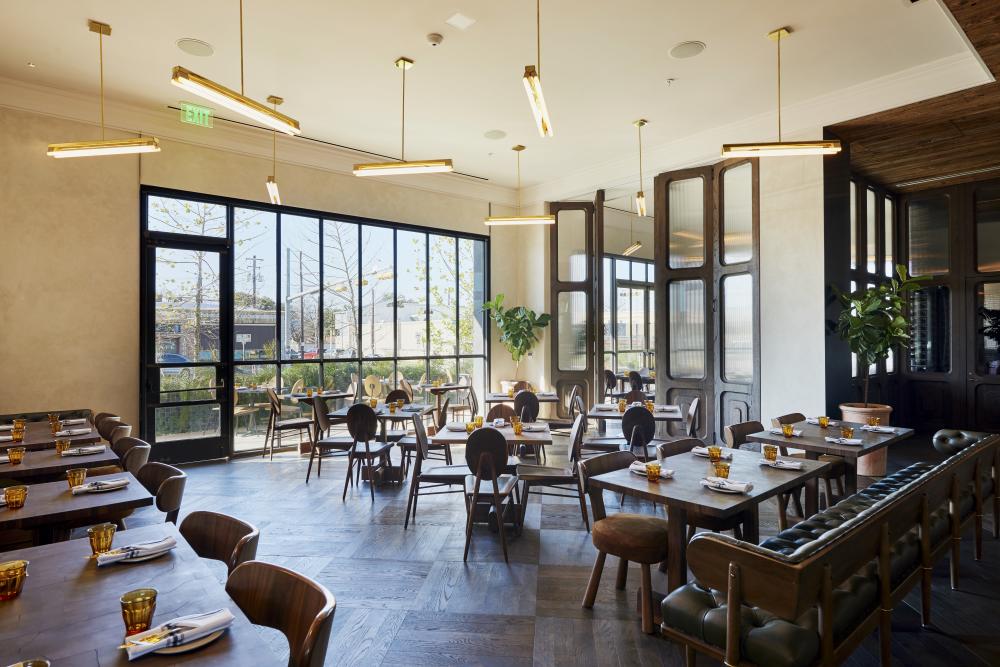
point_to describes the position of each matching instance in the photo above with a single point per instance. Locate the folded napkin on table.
(455, 426)
(813, 420)
(83, 451)
(137, 550)
(499, 422)
(546, 393)
(665, 408)
(73, 422)
(845, 441)
(777, 431)
(639, 467)
(605, 406)
(6, 427)
(6, 438)
(782, 464)
(72, 431)
(727, 484)
(4, 458)
(878, 429)
(3, 501)
(181, 630)
(703, 451)
(412, 408)
(534, 428)
(92, 487)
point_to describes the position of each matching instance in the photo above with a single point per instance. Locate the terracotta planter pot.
(872, 465)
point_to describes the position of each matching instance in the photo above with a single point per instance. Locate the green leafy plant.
(518, 326)
(873, 321)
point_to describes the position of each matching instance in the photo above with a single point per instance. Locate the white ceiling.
(603, 65)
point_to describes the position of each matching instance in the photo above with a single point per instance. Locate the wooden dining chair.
(559, 479)
(635, 382)
(118, 432)
(522, 385)
(441, 416)
(405, 385)
(500, 410)
(101, 416)
(430, 481)
(279, 598)
(276, 426)
(639, 538)
(526, 405)
(132, 453)
(486, 456)
(330, 445)
(469, 404)
(735, 436)
(610, 384)
(634, 396)
(220, 537)
(108, 424)
(362, 424)
(561, 425)
(373, 387)
(838, 467)
(166, 483)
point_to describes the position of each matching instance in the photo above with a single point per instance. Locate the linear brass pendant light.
(640, 196)
(498, 220)
(104, 146)
(272, 181)
(402, 167)
(781, 148)
(198, 85)
(636, 245)
(533, 80)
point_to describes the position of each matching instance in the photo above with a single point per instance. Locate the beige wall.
(791, 281)
(69, 234)
(622, 228)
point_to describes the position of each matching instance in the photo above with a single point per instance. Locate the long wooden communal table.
(38, 435)
(52, 510)
(537, 440)
(68, 610)
(662, 413)
(46, 465)
(543, 397)
(686, 498)
(813, 442)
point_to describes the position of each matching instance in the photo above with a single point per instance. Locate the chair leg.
(690, 657)
(350, 474)
(977, 537)
(646, 591)
(524, 503)
(447, 454)
(956, 543)
(414, 484)
(471, 508)
(622, 577)
(925, 596)
(319, 463)
(312, 455)
(583, 504)
(797, 501)
(828, 488)
(595, 581)
(783, 511)
(498, 504)
(371, 479)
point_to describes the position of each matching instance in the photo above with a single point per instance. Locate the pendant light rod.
(538, 36)
(640, 196)
(100, 55)
(777, 38)
(242, 88)
(517, 150)
(495, 220)
(402, 121)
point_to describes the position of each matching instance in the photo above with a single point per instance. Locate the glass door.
(186, 341)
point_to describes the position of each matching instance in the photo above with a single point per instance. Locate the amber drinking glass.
(510, 393)
(12, 574)
(101, 536)
(722, 469)
(56, 426)
(138, 607)
(649, 405)
(15, 496)
(518, 427)
(714, 453)
(16, 455)
(373, 403)
(76, 476)
(62, 446)
(52, 417)
(771, 452)
(20, 422)
(824, 421)
(392, 408)
(17, 434)
(479, 421)
(846, 431)
(400, 403)
(470, 427)
(621, 405)
(787, 430)
(653, 471)
(874, 421)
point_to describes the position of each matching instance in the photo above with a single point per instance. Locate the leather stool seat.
(635, 537)
(952, 440)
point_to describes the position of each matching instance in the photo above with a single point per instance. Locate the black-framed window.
(322, 299)
(628, 313)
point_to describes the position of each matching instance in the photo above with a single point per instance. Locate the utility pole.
(252, 266)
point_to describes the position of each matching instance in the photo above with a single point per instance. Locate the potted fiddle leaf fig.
(518, 327)
(873, 323)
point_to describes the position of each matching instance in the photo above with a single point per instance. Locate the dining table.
(543, 397)
(535, 435)
(686, 499)
(38, 435)
(407, 412)
(622, 377)
(51, 510)
(69, 612)
(45, 465)
(812, 441)
(661, 413)
(440, 390)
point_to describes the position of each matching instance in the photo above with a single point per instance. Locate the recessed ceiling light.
(687, 50)
(195, 47)
(460, 21)
(494, 134)
(31, 64)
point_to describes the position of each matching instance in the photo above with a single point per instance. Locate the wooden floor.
(406, 597)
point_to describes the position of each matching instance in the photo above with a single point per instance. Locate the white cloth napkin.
(845, 441)
(795, 432)
(878, 429)
(727, 484)
(665, 408)
(6, 438)
(639, 468)
(6, 427)
(72, 431)
(137, 550)
(813, 420)
(534, 428)
(83, 451)
(100, 485)
(499, 422)
(546, 393)
(782, 464)
(73, 422)
(455, 426)
(703, 451)
(181, 630)
(4, 458)
(605, 406)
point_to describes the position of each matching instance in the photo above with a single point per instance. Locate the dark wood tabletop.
(443, 389)
(45, 464)
(51, 507)
(685, 497)
(544, 397)
(813, 442)
(448, 437)
(38, 435)
(382, 412)
(327, 395)
(69, 611)
(672, 414)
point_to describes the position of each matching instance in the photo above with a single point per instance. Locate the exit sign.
(194, 114)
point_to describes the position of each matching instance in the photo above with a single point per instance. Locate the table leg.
(850, 476)
(751, 525)
(676, 547)
(812, 490)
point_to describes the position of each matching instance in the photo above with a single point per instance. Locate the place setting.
(846, 437)
(87, 450)
(721, 483)
(78, 485)
(101, 538)
(772, 460)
